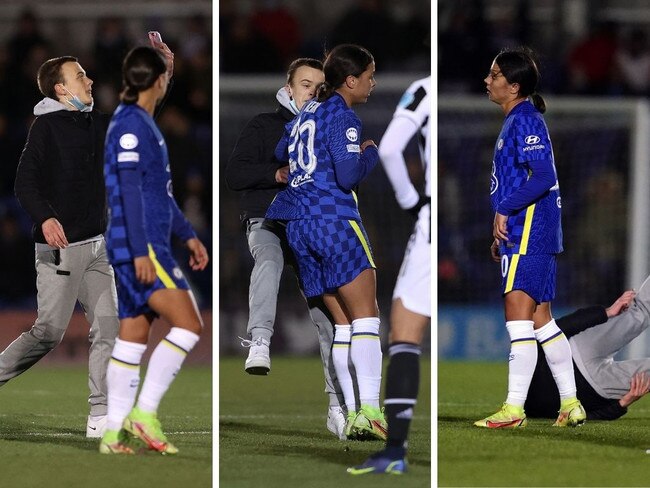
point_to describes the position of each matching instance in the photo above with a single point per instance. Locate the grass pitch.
(43, 426)
(272, 431)
(597, 454)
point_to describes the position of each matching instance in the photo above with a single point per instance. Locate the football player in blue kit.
(527, 239)
(327, 160)
(143, 215)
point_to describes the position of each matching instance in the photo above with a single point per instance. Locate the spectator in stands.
(367, 23)
(632, 69)
(591, 61)
(279, 26)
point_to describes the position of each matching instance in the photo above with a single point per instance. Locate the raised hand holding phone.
(157, 43)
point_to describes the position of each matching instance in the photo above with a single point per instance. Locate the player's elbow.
(388, 150)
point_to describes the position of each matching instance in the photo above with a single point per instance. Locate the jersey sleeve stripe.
(418, 96)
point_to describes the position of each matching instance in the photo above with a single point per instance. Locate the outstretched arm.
(584, 318)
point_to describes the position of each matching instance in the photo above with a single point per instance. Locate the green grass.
(43, 425)
(597, 454)
(272, 431)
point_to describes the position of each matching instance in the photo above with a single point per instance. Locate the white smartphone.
(154, 38)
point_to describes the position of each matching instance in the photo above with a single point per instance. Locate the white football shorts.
(413, 284)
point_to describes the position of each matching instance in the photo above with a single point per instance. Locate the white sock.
(122, 380)
(163, 366)
(365, 352)
(341, 359)
(558, 356)
(522, 360)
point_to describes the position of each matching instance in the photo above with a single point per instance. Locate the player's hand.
(145, 271)
(621, 304)
(169, 55)
(499, 229)
(414, 211)
(494, 251)
(282, 174)
(367, 143)
(639, 386)
(198, 254)
(53, 233)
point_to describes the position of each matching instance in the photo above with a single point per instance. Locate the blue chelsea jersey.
(142, 209)
(537, 227)
(322, 134)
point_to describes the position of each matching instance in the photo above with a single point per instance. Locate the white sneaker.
(336, 422)
(258, 361)
(96, 426)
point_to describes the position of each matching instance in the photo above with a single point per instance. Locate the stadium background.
(100, 34)
(257, 42)
(595, 63)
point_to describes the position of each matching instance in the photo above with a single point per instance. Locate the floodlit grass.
(597, 454)
(43, 426)
(272, 431)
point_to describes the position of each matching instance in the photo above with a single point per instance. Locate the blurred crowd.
(608, 58)
(266, 35)
(185, 120)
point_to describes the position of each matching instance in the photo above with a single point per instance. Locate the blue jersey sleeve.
(534, 151)
(132, 157)
(350, 166)
(180, 226)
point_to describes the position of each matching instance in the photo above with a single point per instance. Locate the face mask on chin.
(76, 103)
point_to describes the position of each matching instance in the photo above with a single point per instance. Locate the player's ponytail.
(342, 61)
(519, 66)
(141, 68)
(538, 101)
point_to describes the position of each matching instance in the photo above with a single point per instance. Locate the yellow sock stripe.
(365, 336)
(557, 337)
(124, 365)
(533, 341)
(512, 271)
(366, 248)
(174, 347)
(160, 271)
(528, 223)
(340, 345)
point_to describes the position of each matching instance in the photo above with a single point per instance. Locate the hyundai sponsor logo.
(530, 140)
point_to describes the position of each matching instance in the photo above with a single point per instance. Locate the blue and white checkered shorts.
(330, 253)
(132, 296)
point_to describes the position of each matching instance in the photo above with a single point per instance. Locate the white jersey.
(411, 118)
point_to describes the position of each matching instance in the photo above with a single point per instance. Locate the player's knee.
(49, 337)
(268, 253)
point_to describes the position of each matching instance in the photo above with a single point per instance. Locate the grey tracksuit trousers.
(594, 349)
(271, 252)
(82, 273)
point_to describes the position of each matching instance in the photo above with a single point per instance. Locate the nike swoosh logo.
(92, 428)
(498, 425)
(378, 426)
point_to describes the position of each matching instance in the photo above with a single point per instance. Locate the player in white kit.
(411, 307)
